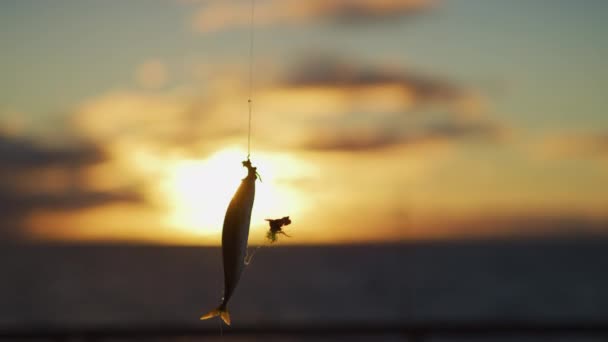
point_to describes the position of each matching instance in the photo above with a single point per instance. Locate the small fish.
(276, 227)
(235, 233)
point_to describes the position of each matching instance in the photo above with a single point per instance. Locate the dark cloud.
(370, 11)
(16, 207)
(451, 112)
(72, 199)
(482, 129)
(350, 142)
(379, 138)
(21, 154)
(329, 72)
(23, 188)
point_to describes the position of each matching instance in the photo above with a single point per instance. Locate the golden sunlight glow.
(199, 191)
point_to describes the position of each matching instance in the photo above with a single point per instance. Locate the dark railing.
(410, 332)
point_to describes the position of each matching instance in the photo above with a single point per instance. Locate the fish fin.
(225, 316)
(221, 311)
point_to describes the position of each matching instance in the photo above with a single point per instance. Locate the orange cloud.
(592, 145)
(508, 224)
(322, 104)
(352, 107)
(319, 113)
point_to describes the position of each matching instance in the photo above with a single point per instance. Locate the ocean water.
(558, 280)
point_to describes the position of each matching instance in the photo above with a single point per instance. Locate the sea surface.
(556, 280)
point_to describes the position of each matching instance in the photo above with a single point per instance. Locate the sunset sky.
(374, 120)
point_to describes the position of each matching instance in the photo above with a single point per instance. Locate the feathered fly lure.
(276, 228)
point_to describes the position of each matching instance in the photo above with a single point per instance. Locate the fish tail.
(221, 311)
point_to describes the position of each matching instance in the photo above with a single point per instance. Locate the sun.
(198, 191)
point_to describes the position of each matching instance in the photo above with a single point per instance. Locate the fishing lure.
(276, 227)
(235, 234)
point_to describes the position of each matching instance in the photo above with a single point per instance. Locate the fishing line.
(221, 329)
(249, 257)
(250, 99)
(276, 228)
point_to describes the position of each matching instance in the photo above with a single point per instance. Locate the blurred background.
(441, 160)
